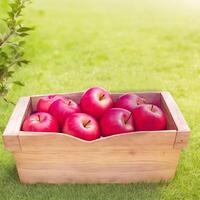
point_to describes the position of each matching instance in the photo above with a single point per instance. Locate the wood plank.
(11, 132)
(56, 142)
(171, 124)
(62, 176)
(103, 166)
(151, 97)
(181, 125)
(11, 142)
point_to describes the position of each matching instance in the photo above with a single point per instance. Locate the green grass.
(119, 45)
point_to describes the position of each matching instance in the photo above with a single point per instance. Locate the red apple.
(63, 108)
(115, 121)
(40, 122)
(129, 101)
(82, 125)
(148, 117)
(95, 101)
(45, 102)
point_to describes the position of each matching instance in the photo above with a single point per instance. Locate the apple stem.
(69, 103)
(151, 107)
(101, 97)
(87, 123)
(39, 118)
(128, 118)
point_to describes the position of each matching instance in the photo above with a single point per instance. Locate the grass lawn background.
(120, 45)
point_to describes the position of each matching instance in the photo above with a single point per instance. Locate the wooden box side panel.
(151, 97)
(176, 120)
(57, 142)
(11, 132)
(103, 166)
(171, 124)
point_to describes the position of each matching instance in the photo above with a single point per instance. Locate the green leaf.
(19, 21)
(11, 14)
(3, 90)
(10, 73)
(14, 6)
(24, 29)
(23, 34)
(19, 63)
(3, 71)
(3, 55)
(19, 55)
(8, 101)
(18, 83)
(25, 61)
(21, 43)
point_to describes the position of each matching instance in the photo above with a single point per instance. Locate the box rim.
(32, 134)
(162, 94)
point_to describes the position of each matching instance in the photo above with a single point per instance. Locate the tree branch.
(12, 56)
(3, 41)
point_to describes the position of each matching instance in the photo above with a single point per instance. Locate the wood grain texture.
(182, 128)
(11, 132)
(151, 97)
(148, 156)
(56, 142)
(171, 124)
(100, 166)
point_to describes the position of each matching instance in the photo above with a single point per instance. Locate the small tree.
(11, 46)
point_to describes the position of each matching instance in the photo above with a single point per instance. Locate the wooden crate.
(147, 156)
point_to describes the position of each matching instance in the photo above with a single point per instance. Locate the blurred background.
(121, 45)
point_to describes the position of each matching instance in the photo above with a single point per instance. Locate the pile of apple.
(97, 115)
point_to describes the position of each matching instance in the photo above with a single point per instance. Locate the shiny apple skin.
(40, 122)
(83, 126)
(63, 108)
(95, 101)
(116, 121)
(148, 117)
(129, 101)
(45, 102)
